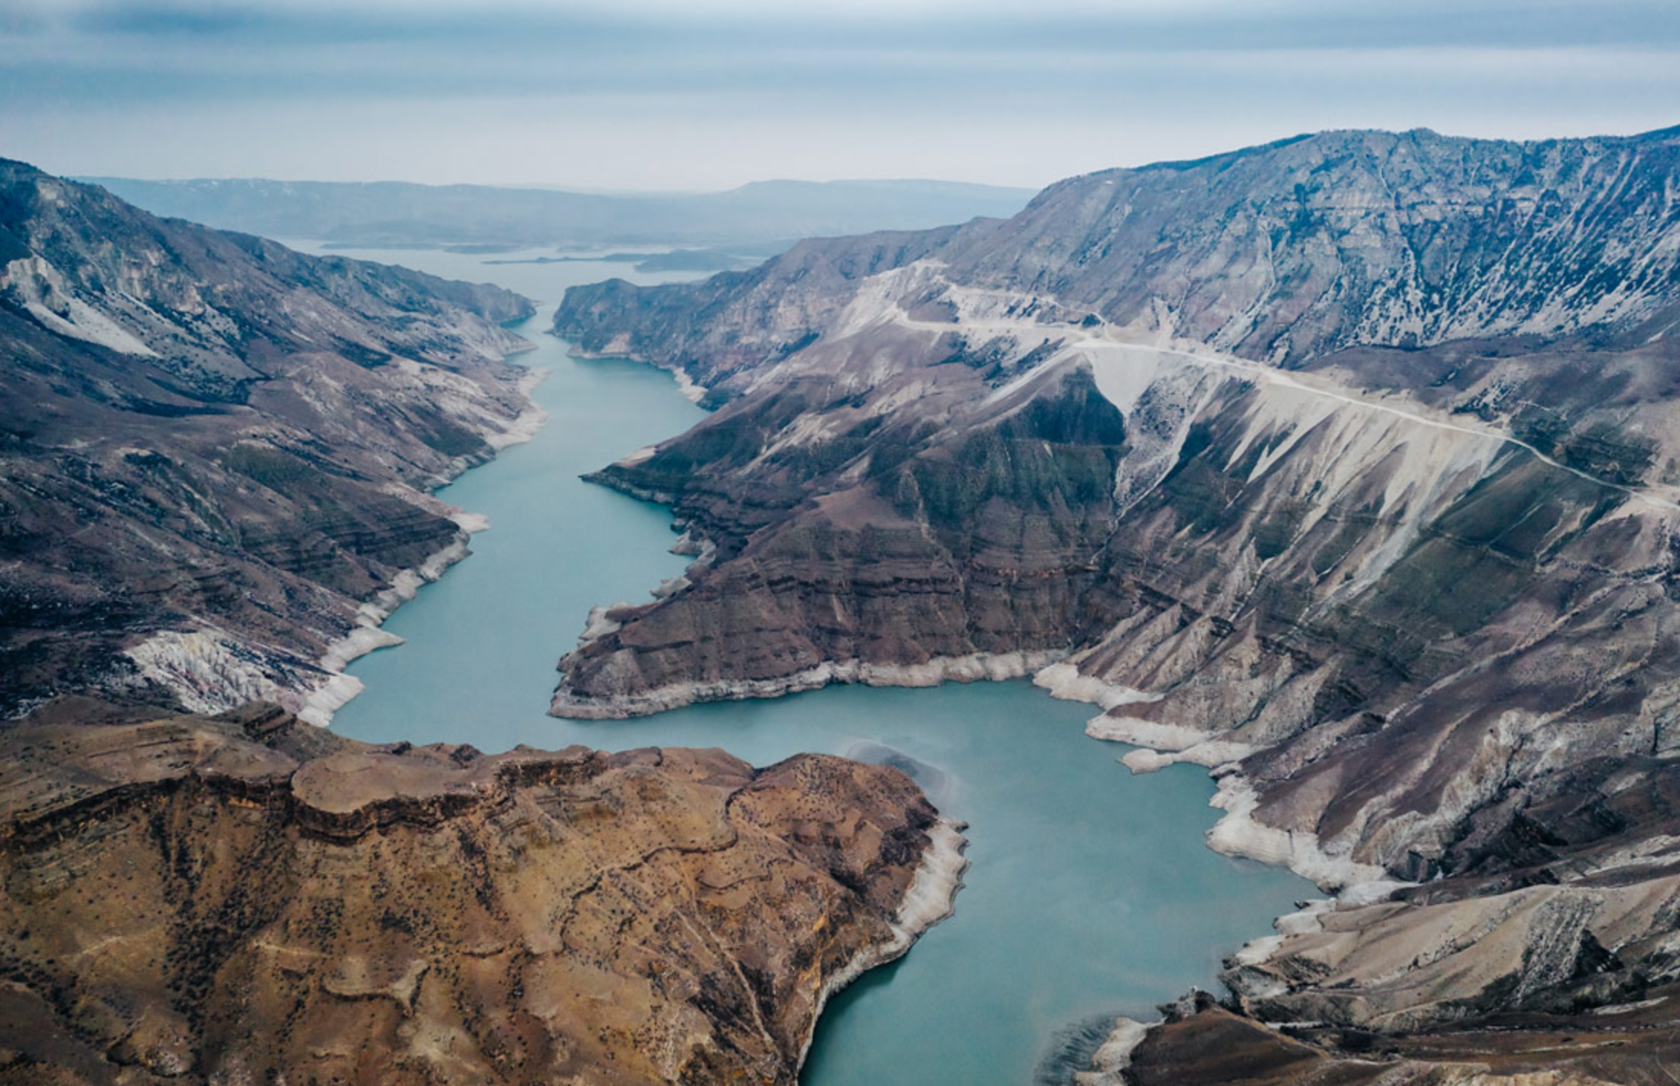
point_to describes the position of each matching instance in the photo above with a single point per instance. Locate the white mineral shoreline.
(975, 667)
(619, 349)
(929, 899)
(337, 689)
(334, 691)
(528, 422)
(1237, 833)
(1114, 1055)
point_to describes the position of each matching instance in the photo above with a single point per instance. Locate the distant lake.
(1091, 892)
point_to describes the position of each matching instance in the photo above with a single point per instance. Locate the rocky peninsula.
(247, 897)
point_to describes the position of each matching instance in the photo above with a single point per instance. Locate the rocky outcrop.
(217, 451)
(1345, 466)
(967, 567)
(1201, 1042)
(249, 898)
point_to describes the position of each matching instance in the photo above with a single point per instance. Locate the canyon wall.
(218, 452)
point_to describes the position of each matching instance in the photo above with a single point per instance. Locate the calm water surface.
(1091, 892)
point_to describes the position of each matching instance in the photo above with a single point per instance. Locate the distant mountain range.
(399, 214)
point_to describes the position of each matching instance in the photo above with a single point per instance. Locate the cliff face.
(249, 898)
(216, 450)
(1347, 465)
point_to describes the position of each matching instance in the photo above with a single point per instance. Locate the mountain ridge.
(1078, 242)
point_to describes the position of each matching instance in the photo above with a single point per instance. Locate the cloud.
(1239, 24)
(590, 92)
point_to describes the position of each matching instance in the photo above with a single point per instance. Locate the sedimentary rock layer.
(1201, 1042)
(249, 898)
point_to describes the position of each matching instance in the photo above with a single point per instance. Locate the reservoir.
(1091, 892)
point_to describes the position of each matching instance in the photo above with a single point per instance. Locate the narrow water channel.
(1090, 892)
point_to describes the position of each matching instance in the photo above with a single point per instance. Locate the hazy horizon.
(575, 190)
(651, 96)
(586, 190)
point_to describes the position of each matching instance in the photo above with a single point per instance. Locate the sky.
(709, 94)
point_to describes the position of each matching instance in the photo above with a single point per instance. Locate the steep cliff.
(246, 898)
(1346, 465)
(217, 450)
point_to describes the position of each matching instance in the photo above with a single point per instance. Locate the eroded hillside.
(217, 451)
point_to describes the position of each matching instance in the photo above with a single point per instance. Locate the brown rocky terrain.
(249, 898)
(217, 452)
(1345, 466)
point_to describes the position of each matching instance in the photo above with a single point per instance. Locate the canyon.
(219, 457)
(1344, 466)
(1089, 893)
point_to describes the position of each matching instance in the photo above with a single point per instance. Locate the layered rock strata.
(249, 898)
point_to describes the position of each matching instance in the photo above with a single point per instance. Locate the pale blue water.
(1091, 892)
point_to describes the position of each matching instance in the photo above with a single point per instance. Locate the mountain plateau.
(248, 897)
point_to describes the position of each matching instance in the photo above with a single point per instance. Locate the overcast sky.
(707, 94)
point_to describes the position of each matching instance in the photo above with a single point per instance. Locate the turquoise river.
(1090, 893)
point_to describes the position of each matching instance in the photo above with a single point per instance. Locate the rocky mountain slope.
(1345, 465)
(217, 451)
(246, 898)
